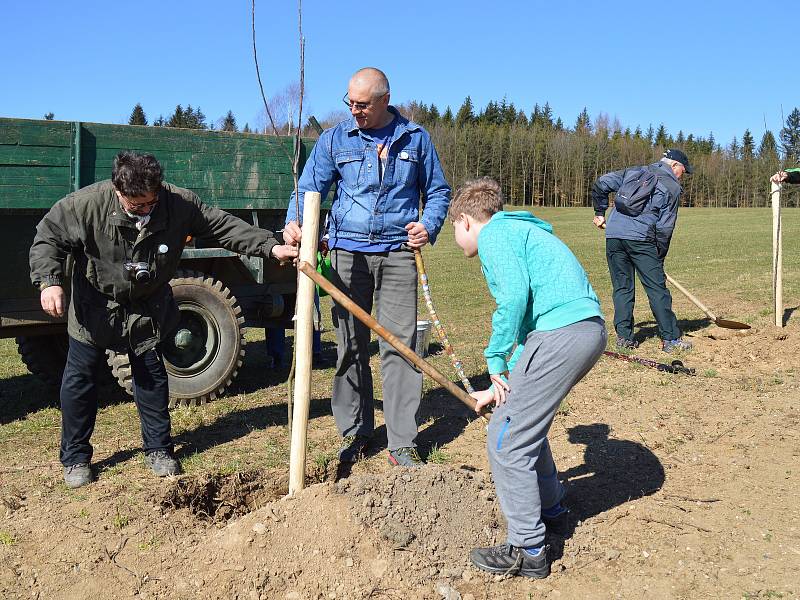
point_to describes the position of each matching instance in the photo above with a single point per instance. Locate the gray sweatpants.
(390, 278)
(524, 473)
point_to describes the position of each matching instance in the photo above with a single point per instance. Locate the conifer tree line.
(541, 161)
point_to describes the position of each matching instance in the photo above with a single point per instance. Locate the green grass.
(6, 539)
(437, 456)
(120, 520)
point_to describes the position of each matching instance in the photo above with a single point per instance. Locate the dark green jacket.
(793, 175)
(107, 309)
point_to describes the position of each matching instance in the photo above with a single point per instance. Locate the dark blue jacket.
(656, 222)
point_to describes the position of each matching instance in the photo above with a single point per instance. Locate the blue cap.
(678, 155)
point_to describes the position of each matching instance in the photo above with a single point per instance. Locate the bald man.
(383, 165)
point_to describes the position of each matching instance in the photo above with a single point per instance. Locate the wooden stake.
(777, 253)
(303, 333)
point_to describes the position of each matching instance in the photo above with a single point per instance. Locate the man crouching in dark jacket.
(640, 243)
(126, 236)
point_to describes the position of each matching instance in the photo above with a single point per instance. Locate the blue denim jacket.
(365, 208)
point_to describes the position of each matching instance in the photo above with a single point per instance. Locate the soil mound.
(437, 513)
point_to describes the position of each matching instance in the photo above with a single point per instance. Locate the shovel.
(719, 322)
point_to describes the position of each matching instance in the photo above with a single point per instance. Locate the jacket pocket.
(350, 164)
(103, 324)
(407, 167)
(504, 432)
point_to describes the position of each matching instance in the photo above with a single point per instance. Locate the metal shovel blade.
(724, 323)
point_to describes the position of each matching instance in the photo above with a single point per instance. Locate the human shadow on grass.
(227, 428)
(24, 395)
(787, 314)
(613, 472)
(649, 329)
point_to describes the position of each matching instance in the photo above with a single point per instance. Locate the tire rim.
(195, 344)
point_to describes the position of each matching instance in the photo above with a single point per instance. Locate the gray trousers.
(390, 280)
(524, 473)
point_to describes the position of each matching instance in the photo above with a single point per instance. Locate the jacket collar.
(403, 124)
(158, 217)
(668, 171)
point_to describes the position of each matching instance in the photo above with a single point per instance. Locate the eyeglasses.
(360, 105)
(138, 205)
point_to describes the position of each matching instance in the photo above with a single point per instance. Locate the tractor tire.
(45, 356)
(204, 354)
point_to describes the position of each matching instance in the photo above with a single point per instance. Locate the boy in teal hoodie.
(547, 333)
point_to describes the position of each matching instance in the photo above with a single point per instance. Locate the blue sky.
(697, 66)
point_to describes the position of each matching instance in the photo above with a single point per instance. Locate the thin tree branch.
(258, 75)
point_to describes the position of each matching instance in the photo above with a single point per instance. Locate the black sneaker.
(506, 559)
(162, 463)
(352, 448)
(405, 457)
(625, 344)
(76, 476)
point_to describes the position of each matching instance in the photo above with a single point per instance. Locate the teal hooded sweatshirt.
(536, 281)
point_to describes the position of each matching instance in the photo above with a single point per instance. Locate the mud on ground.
(679, 488)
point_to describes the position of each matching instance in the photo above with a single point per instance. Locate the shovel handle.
(694, 300)
(370, 322)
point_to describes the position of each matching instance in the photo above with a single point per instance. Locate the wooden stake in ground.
(777, 253)
(303, 333)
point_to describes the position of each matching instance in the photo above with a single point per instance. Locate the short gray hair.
(669, 161)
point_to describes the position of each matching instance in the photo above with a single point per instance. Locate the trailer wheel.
(45, 355)
(204, 354)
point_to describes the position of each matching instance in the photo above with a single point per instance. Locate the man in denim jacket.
(383, 165)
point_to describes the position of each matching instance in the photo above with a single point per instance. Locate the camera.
(138, 272)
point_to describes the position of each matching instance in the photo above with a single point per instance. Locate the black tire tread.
(120, 365)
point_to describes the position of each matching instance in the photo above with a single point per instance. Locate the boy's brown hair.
(479, 198)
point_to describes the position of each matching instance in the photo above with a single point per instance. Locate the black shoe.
(506, 559)
(162, 463)
(405, 457)
(76, 476)
(352, 448)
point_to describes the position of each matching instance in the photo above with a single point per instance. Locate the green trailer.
(219, 293)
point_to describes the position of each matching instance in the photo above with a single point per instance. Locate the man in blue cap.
(638, 238)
